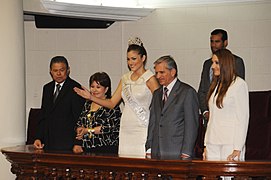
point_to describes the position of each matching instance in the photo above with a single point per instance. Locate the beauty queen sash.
(141, 112)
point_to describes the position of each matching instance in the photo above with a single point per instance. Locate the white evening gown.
(135, 115)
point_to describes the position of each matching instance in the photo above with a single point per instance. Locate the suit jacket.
(173, 128)
(205, 80)
(56, 128)
(229, 124)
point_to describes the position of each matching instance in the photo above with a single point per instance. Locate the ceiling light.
(95, 11)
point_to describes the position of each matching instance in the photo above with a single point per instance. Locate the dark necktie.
(58, 86)
(165, 96)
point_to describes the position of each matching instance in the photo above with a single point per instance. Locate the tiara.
(135, 41)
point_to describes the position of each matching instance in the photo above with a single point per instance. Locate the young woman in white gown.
(135, 88)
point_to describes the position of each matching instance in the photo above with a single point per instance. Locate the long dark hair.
(226, 77)
(102, 79)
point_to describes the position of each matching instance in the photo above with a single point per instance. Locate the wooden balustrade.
(28, 163)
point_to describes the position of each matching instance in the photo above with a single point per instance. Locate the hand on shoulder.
(83, 92)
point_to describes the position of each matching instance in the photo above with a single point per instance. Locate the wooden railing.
(27, 163)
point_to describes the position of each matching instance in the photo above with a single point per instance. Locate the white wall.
(182, 32)
(185, 32)
(87, 51)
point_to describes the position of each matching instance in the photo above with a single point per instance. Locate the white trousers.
(221, 152)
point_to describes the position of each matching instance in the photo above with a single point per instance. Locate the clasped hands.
(80, 132)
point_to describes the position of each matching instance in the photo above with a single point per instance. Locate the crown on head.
(136, 41)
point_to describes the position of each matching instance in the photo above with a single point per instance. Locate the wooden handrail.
(28, 163)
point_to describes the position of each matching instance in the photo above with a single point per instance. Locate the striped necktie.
(58, 86)
(165, 96)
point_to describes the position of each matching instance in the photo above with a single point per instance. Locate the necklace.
(91, 118)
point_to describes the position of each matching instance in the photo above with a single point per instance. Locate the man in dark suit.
(173, 124)
(218, 40)
(61, 107)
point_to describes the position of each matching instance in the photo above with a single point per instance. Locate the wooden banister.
(28, 163)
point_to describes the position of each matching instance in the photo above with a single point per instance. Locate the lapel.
(51, 93)
(209, 64)
(172, 95)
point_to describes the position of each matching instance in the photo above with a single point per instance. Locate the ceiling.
(175, 3)
(104, 16)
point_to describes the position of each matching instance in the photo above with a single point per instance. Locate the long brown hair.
(226, 77)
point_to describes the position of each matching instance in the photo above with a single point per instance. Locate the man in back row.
(218, 40)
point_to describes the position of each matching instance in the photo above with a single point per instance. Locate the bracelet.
(91, 131)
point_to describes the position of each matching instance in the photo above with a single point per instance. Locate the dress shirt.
(61, 84)
(170, 86)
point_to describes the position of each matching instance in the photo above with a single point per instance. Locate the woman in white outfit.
(135, 88)
(228, 102)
